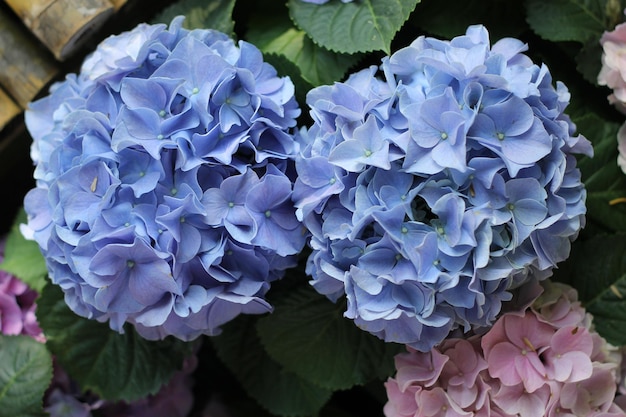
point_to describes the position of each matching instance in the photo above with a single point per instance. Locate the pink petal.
(401, 403)
(419, 367)
(436, 403)
(501, 362)
(596, 392)
(517, 401)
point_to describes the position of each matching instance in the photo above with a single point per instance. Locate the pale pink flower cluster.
(613, 75)
(613, 72)
(546, 361)
(17, 305)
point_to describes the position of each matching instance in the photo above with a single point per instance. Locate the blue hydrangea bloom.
(434, 185)
(164, 175)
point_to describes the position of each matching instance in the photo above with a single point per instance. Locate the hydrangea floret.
(546, 361)
(437, 183)
(164, 175)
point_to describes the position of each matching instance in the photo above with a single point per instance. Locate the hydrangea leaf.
(597, 269)
(588, 60)
(201, 14)
(609, 311)
(317, 65)
(604, 180)
(23, 258)
(114, 366)
(338, 354)
(566, 20)
(602, 135)
(26, 374)
(279, 391)
(363, 26)
(501, 17)
(607, 209)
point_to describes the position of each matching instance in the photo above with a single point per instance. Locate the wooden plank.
(62, 25)
(8, 109)
(26, 67)
(117, 4)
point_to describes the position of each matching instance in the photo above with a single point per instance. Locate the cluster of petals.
(17, 305)
(436, 183)
(164, 175)
(613, 75)
(613, 71)
(547, 361)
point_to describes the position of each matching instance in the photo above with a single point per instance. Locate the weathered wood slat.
(8, 109)
(117, 4)
(26, 67)
(62, 25)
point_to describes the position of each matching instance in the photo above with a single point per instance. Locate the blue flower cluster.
(435, 189)
(164, 175)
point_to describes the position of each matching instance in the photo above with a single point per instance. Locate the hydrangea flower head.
(434, 189)
(529, 364)
(164, 175)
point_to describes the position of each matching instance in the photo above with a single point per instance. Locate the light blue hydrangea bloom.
(164, 177)
(433, 190)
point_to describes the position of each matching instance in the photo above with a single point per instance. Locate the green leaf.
(317, 65)
(604, 180)
(24, 377)
(363, 26)
(23, 258)
(279, 391)
(500, 17)
(597, 269)
(114, 366)
(603, 136)
(201, 14)
(594, 265)
(609, 312)
(589, 60)
(309, 336)
(566, 20)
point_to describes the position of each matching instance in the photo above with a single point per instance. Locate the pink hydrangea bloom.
(613, 72)
(544, 361)
(17, 305)
(613, 75)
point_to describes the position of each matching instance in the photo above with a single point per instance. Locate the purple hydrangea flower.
(435, 189)
(17, 305)
(164, 177)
